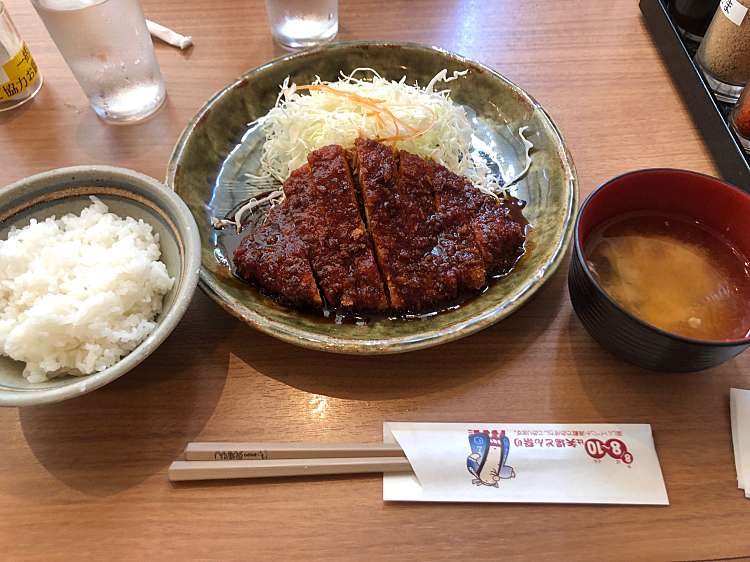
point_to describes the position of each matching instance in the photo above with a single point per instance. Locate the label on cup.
(733, 10)
(17, 74)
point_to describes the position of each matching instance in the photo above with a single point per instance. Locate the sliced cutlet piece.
(273, 257)
(500, 237)
(347, 242)
(428, 277)
(402, 231)
(326, 213)
(457, 239)
(378, 172)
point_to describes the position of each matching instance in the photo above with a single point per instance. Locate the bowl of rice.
(97, 266)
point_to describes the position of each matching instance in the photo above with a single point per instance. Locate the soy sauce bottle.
(692, 17)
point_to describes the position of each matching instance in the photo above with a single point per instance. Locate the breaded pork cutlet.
(423, 237)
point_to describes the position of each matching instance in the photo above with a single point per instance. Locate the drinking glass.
(108, 47)
(19, 76)
(297, 24)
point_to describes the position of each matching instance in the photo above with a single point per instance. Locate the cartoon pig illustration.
(487, 461)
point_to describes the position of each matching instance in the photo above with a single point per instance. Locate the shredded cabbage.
(421, 120)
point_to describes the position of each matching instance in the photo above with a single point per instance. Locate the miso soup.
(674, 273)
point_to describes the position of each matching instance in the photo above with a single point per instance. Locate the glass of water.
(298, 24)
(108, 47)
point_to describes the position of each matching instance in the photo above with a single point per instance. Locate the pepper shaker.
(724, 54)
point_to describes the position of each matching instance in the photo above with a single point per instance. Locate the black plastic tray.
(710, 114)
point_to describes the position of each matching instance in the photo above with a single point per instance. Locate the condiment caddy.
(710, 113)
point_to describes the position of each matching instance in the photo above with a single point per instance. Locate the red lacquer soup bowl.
(715, 204)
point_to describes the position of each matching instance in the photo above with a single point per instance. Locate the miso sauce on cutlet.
(674, 273)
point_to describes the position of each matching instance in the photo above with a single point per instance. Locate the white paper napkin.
(739, 414)
(496, 462)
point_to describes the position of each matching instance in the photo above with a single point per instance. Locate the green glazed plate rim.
(319, 341)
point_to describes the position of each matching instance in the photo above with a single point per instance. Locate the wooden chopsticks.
(217, 461)
(266, 451)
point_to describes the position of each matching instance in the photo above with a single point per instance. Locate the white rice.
(80, 292)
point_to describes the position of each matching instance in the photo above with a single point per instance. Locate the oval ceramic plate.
(220, 145)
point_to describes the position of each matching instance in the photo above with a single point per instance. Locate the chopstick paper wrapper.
(739, 413)
(169, 36)
(534, 463)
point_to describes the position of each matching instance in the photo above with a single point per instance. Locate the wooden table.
(87, 478)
